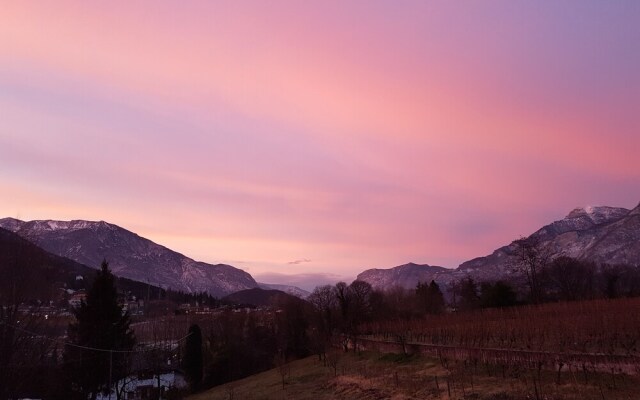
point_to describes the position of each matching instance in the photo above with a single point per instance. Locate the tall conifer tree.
(103, 330)
(192, 361)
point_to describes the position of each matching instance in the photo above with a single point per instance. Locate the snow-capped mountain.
(130, 256)
(607, 235)
(599, 234)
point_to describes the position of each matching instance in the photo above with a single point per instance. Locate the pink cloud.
(352, 135)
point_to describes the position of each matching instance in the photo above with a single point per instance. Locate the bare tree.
(341, 291)
(333, 360)
(359, 311)
(283, 366)
(324, 300)
(360, 292)
(532, 257)
(573, 279)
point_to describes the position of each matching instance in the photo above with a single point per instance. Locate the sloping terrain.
(377, 376)
(130, 255)
(29, 273)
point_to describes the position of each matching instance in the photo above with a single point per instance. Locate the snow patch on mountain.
(598, 215)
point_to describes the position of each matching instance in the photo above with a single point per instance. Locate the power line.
(86, 347)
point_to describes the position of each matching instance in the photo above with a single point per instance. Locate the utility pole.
(110, 370)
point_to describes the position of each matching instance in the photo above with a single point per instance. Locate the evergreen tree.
(499, 294)
(100, 328)
(192, 361)
(469, 299)
(436, 299)
(430, 297)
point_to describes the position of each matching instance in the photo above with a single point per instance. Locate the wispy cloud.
(300, 261)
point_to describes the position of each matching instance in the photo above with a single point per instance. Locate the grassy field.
(372, 376)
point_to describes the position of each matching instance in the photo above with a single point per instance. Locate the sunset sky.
(319, 138)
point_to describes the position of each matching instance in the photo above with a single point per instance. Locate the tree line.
(101, 346)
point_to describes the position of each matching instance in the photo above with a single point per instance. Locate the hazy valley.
(603, 235)
(444, 321)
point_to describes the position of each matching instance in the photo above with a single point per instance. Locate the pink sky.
(350, 135)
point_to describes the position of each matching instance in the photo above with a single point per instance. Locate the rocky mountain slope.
(407, 275)
(130, 255)
(600, 234)
(28, 272)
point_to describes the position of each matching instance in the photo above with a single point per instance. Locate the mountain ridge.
(406, 275)
(602, 234)
(47, 273)
(130, 255)
(289, 289)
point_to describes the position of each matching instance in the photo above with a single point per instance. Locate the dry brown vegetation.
(609, 327)
(373, 376)
(580, 350)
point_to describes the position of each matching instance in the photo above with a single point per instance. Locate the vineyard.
(573, 350)
(595, 335)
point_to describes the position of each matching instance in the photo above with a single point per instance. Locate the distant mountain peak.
(598, 214)
(405, 275)
(412, 264)
(10, 224)
(290, 289)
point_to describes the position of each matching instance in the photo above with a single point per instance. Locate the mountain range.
(608, 235)
(130, 256)
(600, 234)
